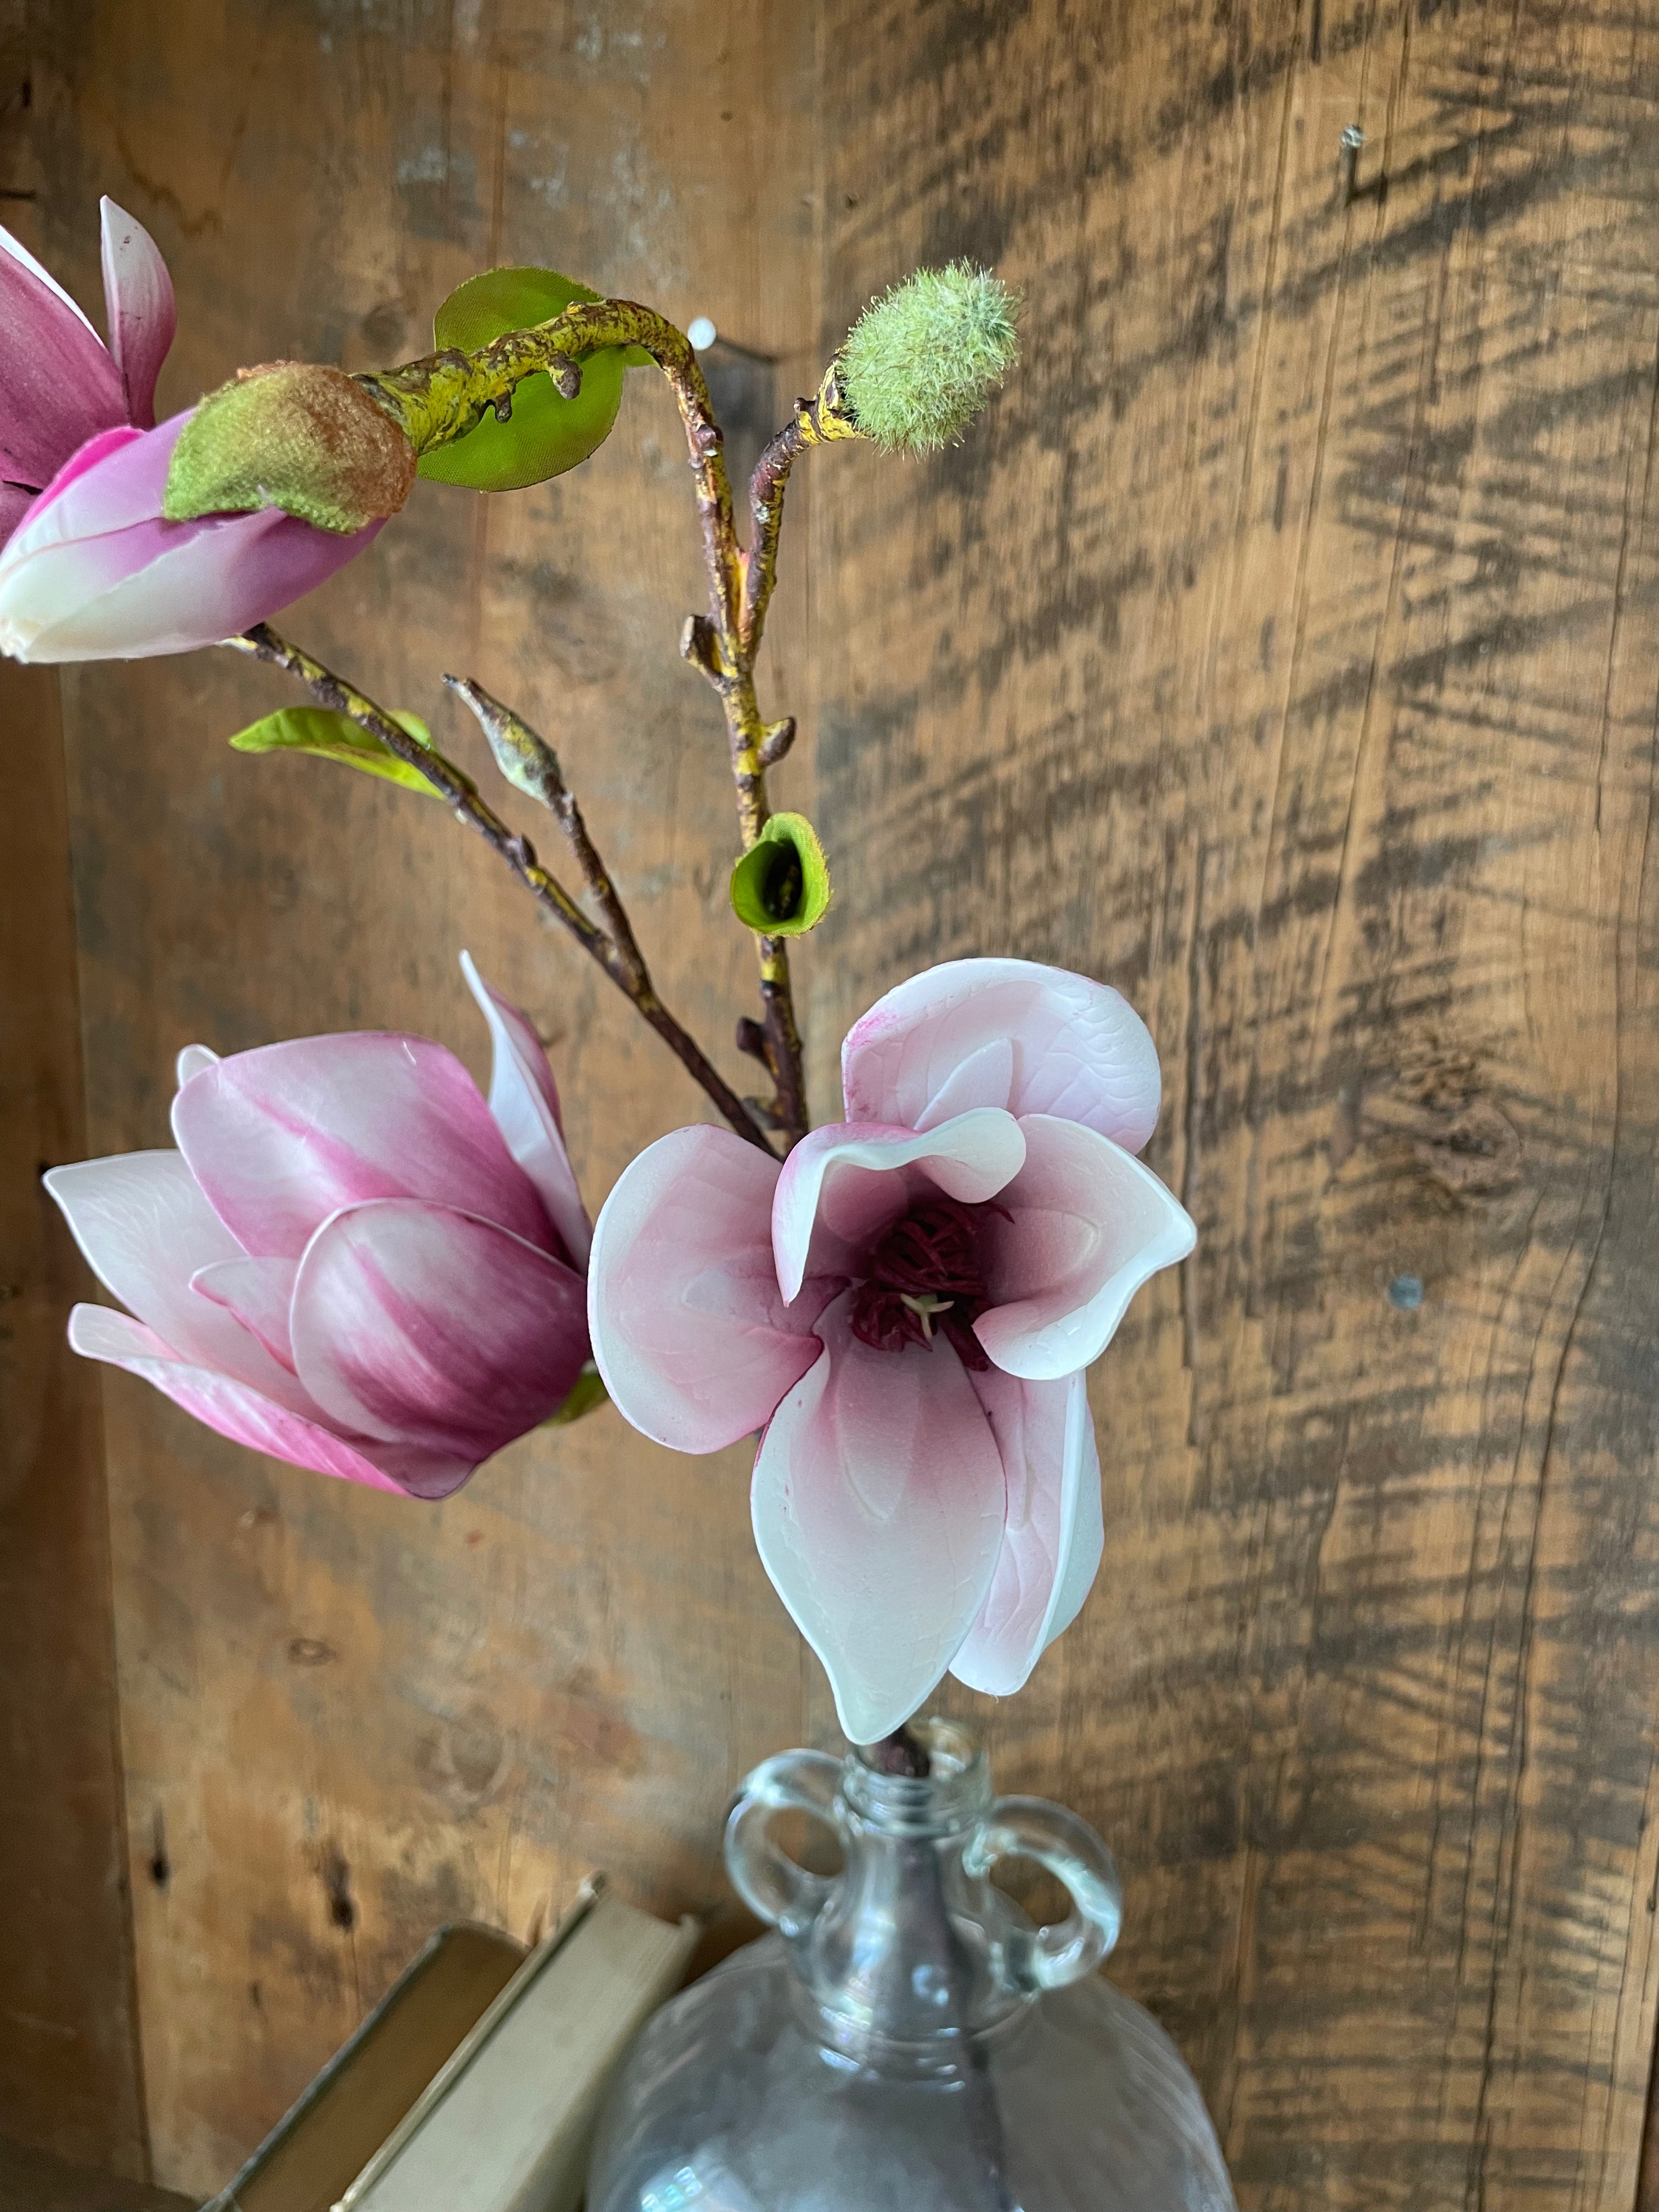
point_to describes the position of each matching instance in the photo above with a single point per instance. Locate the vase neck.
(908, 1955)
(911, 1948)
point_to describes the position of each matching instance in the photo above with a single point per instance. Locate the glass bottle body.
(906, 2041)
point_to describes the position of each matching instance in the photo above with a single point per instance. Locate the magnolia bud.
(292, 434)
(919, 364)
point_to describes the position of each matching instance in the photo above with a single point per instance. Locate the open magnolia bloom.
(906, 1307)
(351, 1262)
(89, 569)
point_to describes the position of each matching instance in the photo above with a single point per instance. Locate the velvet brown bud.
(295, 436)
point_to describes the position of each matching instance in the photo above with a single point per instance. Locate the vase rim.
(956, 1787)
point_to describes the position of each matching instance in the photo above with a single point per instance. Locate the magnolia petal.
(15, 504)
(164, 586)
(283, 1137)
(524, 1100)
(191, 1060)
(138, 299)
(934, 1046)
(421, 1325)
(690, 1332)
(57, 385)
(1055, 1535)
(258, 1292)
(19, 252)
(846, 1181)
(93, 572)
(146, 1228)
(111, 483)
(878, 1500)
(247, 1418)
(1088, 1225)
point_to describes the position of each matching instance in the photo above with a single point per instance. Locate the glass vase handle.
(764, 1875)
(1037, 1958)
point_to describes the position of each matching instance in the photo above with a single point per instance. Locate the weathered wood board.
(346, 1718)
(68, 2050)
(1286, 652)
(1282, 649)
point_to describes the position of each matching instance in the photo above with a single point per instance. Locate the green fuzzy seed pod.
(919, 364)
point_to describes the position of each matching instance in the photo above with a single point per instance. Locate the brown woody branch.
(619, 956)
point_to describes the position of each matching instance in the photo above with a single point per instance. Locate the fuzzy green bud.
(293, 435)
(920, 363)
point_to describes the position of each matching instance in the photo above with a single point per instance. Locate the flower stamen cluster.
(927, 1267)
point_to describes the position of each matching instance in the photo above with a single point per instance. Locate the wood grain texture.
(69, 2053)
(69, 2056)
(346, 1718)
(1285, 654)
(1281, 648)
(34, 2181)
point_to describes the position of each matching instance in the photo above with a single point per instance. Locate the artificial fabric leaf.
(329, 736)
(587, 1392)
(546, 435)
(781, 884)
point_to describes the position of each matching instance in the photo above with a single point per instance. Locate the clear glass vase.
(907, 2041)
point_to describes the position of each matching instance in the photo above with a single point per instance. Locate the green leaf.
(546, 434)
(587, 1392)
(781, 884)
(334, 737)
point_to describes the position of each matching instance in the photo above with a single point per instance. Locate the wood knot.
(1438, 1109)
(1475, 1153)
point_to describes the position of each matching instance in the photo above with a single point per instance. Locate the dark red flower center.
(924, 1277)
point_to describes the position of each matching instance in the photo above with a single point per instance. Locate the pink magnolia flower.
(906, 1308)
(351, 1262)
(89, 569)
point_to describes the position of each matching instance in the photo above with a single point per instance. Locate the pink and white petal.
(19, 252)
(111, 483)
(936, 1045)
(191, 1060)
(524, 1100)
(846, 1181)
(878, 1500)
(259, 1293)
(145, 1229)
(420, 1325)
(161, 587)
(1089, 1225)
(57, 385)
(234, 1409)
(1052, 1545)
(690, 1332)
(138, 299)
(16, 502)
(281, 1138)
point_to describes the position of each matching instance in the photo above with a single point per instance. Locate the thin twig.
(505, 729)
(440, 397)
(816, 422)
(623, 964)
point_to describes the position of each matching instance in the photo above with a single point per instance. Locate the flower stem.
(443, 396)
(617, 953)
(902, 1753)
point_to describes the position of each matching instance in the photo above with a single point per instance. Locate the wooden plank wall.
(1286, 654)
(68, 2045)
(1282, 649)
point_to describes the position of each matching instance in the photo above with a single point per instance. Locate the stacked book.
(477, 2082)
